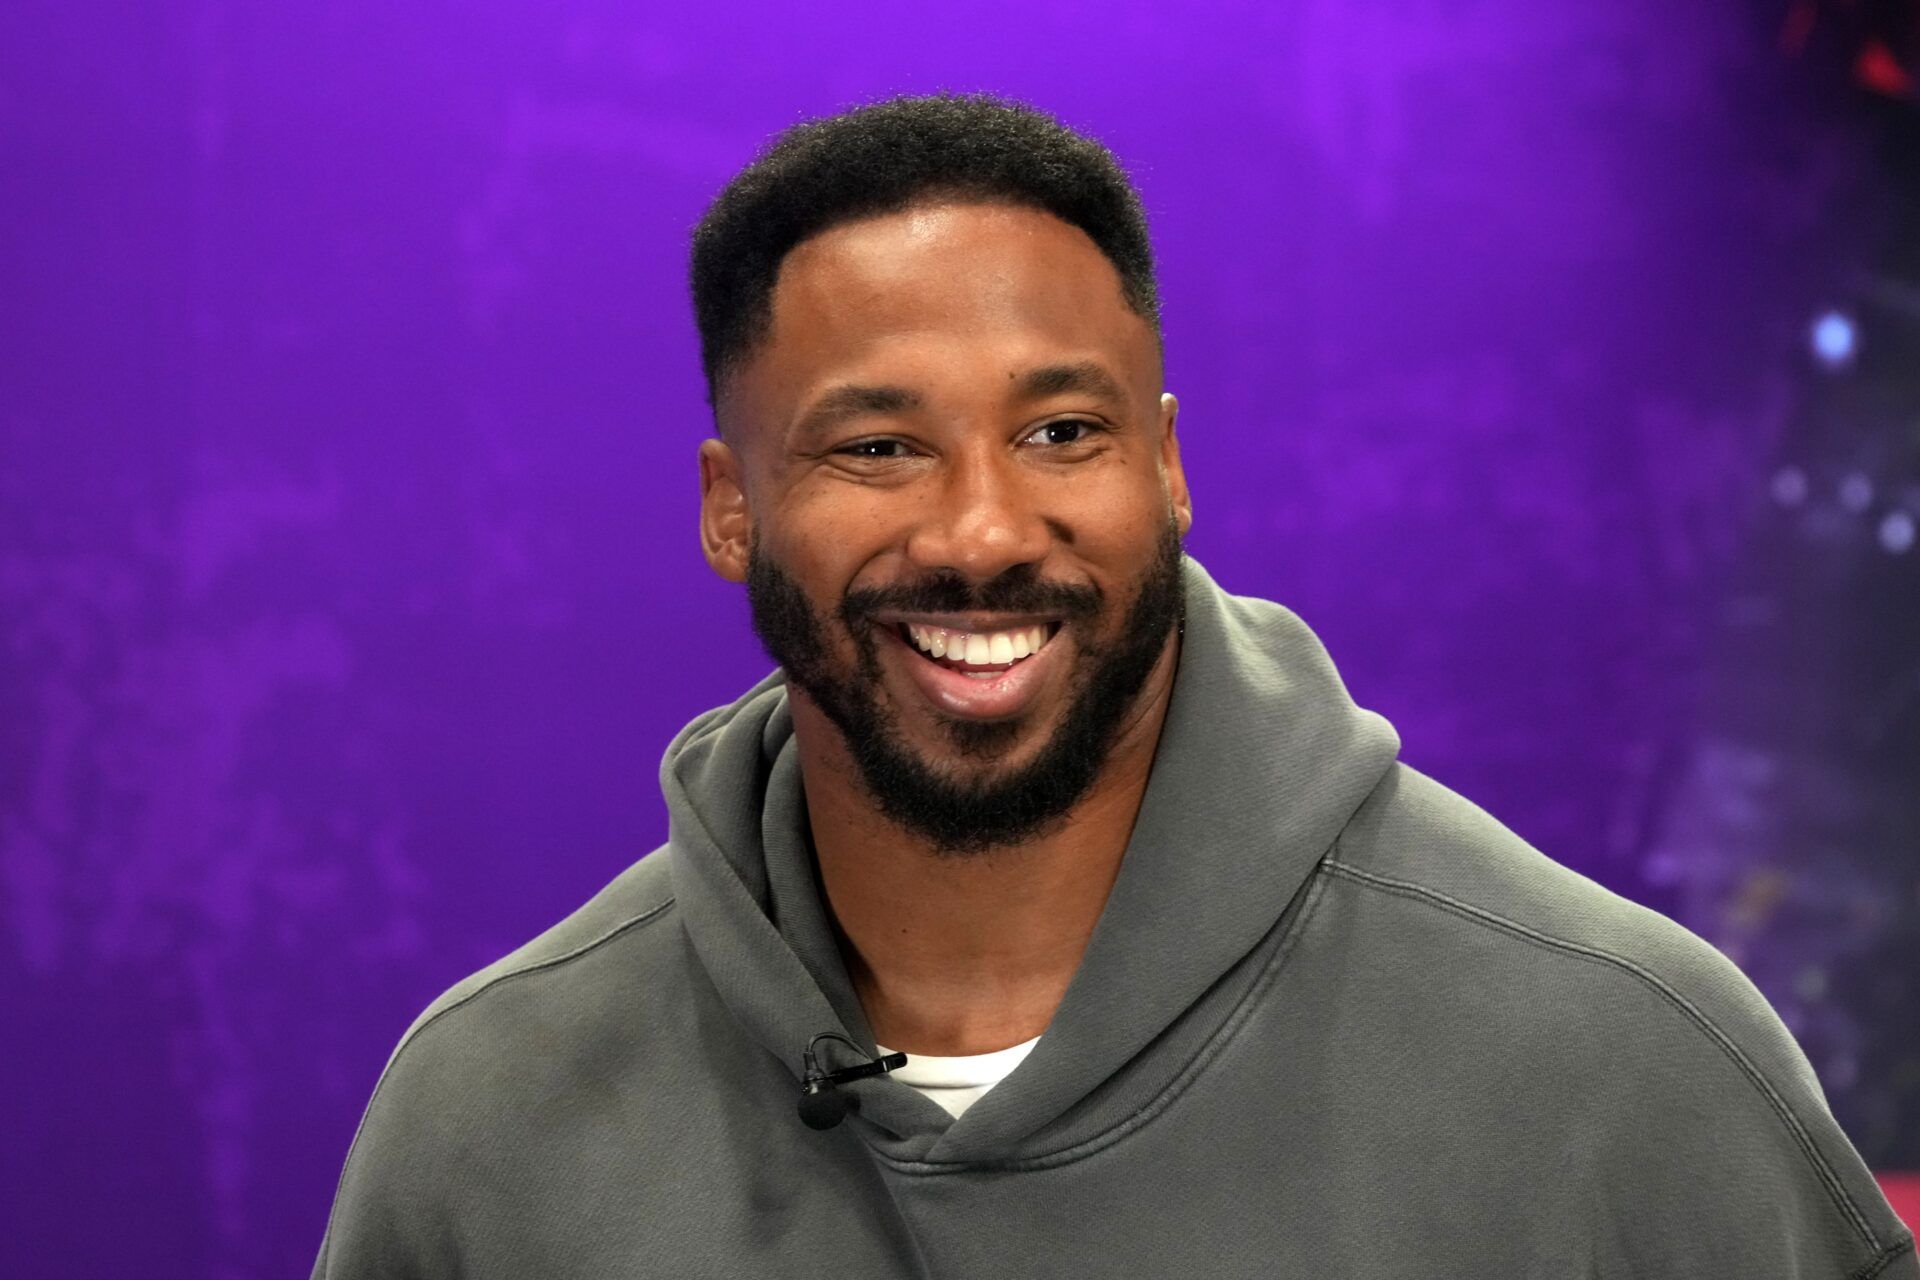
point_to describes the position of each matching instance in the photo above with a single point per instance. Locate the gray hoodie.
(1334, 1021)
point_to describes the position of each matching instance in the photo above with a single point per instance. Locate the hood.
(1262, 759)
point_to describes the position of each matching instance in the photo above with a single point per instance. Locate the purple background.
(349, 580)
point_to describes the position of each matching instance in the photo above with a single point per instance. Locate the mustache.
(1019, 590)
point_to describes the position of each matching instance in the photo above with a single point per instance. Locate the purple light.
(1789, 486)
(1834, 338)
(1897, 532)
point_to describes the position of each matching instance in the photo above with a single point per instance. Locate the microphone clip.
(822, 1105)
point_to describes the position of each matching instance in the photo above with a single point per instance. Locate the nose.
(984, 518)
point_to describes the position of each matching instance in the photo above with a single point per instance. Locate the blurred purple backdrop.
(349, 582)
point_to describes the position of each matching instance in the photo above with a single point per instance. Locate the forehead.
(943, 287)
(911, 266)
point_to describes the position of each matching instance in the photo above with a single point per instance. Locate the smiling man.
(1049, 910)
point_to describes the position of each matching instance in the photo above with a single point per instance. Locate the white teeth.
(995, 648)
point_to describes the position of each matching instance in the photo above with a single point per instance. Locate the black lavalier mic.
(822, 1105)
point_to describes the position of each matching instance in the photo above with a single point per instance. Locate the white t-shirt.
(958, 1083)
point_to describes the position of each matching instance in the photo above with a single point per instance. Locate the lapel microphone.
(822, 1105)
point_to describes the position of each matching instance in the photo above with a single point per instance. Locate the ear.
(726, 524)
(1175, 475)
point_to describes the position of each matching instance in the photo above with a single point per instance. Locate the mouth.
(978, 675)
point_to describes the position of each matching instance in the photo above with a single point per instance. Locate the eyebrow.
(850, 401)
(1086, 376)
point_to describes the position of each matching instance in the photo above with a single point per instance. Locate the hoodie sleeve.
(390, 1214)
(1721, 1156)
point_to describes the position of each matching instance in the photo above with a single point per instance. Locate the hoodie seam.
(414, 1033)
(1884, 1259)
(1209, 1050)
(1484, 917)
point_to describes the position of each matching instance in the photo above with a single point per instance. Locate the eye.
(1086, 427)
(877, 450)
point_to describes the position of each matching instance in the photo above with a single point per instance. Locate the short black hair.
(883, 158)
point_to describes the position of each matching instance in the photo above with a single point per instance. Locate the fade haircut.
(887, 157)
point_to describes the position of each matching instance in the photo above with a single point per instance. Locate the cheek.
(839, 525)
(1121, 520)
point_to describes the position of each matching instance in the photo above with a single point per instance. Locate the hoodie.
(1334, 1020)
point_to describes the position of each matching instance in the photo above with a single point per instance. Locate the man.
(1189, 974)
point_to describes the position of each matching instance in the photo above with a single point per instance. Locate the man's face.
(955, 427)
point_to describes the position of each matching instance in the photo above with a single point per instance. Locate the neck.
(969, 954)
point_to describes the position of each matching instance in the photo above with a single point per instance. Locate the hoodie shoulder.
(1416, 837)
(637, 896)
(1671, 1059)
(540, 1025)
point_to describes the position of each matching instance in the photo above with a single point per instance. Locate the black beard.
(956, 816)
